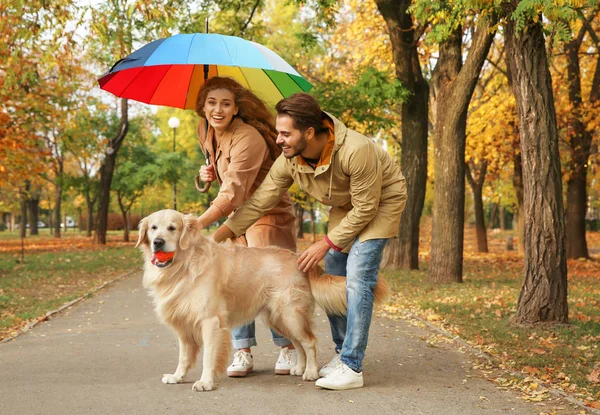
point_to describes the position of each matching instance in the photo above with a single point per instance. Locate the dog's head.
(166, 233)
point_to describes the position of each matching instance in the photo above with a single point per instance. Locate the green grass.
(480, 310)
(47, 280)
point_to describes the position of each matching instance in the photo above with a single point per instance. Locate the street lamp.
(174, 124)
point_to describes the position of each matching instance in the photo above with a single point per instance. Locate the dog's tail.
(330, 291)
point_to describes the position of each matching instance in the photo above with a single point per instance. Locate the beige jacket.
(357, 178)
(241, 161)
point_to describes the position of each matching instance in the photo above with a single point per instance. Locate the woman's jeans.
(244, 337)
(361, 268)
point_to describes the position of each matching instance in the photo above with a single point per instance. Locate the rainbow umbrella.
(170, 71)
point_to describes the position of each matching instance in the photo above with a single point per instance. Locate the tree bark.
(124, 211)
(518, 185)
(57, 209)
(106, 174)
(90, 214)
(477, 189)
(493, 216)
(34, 213)
(23, 222)
(403, 252)
(580, 141)
(543, 296)
(454, 85)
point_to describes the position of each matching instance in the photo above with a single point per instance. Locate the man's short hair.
(303, 109)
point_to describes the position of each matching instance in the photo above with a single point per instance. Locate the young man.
(367, 193)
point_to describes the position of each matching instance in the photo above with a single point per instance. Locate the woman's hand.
(313, 255)
(207, 174)
(222, 234)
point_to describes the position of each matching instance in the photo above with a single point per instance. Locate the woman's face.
(220, 108)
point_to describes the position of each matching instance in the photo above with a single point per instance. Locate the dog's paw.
(310, 374)
(297, 370)
(202, 386)
(169, 379)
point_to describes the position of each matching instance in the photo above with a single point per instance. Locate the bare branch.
(243, 29)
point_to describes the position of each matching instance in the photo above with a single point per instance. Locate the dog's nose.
(158, 243)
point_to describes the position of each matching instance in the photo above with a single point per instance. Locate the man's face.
(291, 140)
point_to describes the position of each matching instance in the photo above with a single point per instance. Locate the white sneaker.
(341, 378)
(330, 367)
(287, 360)
(242, 364)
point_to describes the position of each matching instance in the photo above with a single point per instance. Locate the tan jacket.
(357, 178)
(241, 161)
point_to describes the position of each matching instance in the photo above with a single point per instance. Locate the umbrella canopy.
(171, 71)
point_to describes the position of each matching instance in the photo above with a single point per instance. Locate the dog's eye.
(153, 227)
(171, 228)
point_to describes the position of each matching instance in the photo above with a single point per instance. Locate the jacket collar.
(224, 143)
(337, 136)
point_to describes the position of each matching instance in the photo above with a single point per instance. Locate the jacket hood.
(339, 130)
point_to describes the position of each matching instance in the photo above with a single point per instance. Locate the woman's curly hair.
(251, 109)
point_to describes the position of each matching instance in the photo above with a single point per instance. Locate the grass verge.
(48, 279)
(480, 309)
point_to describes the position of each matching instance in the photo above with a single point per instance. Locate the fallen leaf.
(594, 377)
(434, 317)
(531, 370)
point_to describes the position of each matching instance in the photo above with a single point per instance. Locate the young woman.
(240, 142)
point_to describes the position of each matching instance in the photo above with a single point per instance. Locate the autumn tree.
(133, 174)
(453, 84)
(33, 35)
(544, 292)
(491, 133)
(405, 35)
(581, 94)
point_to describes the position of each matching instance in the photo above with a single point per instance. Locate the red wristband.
(332, 245)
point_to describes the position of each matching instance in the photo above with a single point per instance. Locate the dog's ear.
(142, 229)
(191, 225)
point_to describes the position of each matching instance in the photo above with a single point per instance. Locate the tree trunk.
(23, 222)
(106, 174)
(454, 85)
(403, 252)
(576, 210)
(543, 296)
(90, 213)
(518, 185)
(493, 216)
(57, 203)
(581, 141)
(477, 188)
(34, 214)
(124, 211)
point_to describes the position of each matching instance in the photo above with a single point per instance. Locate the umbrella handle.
(199, 186)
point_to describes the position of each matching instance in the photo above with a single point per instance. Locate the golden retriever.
(202, 289)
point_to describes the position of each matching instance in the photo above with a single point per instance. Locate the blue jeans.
(360, 266)
(244, 337)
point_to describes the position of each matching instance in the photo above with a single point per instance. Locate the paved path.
(106, 355)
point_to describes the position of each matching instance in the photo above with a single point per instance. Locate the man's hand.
(313, 255)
